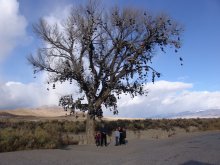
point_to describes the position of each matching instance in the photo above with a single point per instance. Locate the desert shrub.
(23, 139)
(29, 135)
(7, 139)
(148, 123)
(52, 127)
(81, 126)
(112, 125)
(137, 125)
(41, 137)
(19, 135)
(164, 125)
(214, 124)
(69, 126)
(69, 140)
(14, 139)
(73, 126)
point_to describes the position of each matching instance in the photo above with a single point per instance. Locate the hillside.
(209, 113)
(37, 112)
(55, 111)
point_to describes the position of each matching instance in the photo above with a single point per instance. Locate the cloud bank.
(166, 97)
(12, 27)
(18, 95)
(163, 97)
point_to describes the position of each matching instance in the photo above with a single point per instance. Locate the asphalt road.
(192, 149)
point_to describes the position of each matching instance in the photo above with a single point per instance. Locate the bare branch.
(107, 52)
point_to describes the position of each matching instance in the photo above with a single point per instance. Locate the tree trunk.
(90, 129)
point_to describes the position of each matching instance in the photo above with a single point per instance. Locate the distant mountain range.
(44, 111)
(55, 111)
(210, 113)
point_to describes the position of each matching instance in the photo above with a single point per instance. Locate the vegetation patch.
(22, 135)
(25, 135)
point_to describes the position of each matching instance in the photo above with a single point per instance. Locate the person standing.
(103, 131)
(97, 139)
(117, 137)
(124, 136)
(121, 135)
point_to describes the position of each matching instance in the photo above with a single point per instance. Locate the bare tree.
(106, 52)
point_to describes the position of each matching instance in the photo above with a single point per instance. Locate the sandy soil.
(37, 112)
(190, 149)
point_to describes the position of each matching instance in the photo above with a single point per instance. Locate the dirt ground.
(191, 149)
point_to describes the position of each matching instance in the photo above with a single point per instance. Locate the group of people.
(119, 135)
(101, 137)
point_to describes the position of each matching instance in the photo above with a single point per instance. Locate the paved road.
(193, 149)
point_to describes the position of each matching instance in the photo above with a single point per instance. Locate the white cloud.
(58, 15)
(167, 97)
(164, 97)
(19, 95)
(16, 94)
(12, 27)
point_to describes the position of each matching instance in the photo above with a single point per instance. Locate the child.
(97, 138)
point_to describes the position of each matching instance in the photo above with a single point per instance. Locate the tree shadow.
(193, 162)
(66, 147)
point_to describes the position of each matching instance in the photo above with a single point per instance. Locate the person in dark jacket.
(103, 131)
(124, 136)
(121, 135)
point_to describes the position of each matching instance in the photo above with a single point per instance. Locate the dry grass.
(49, 134)
(22, 135)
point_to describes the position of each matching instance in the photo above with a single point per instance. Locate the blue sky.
(197, 78)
